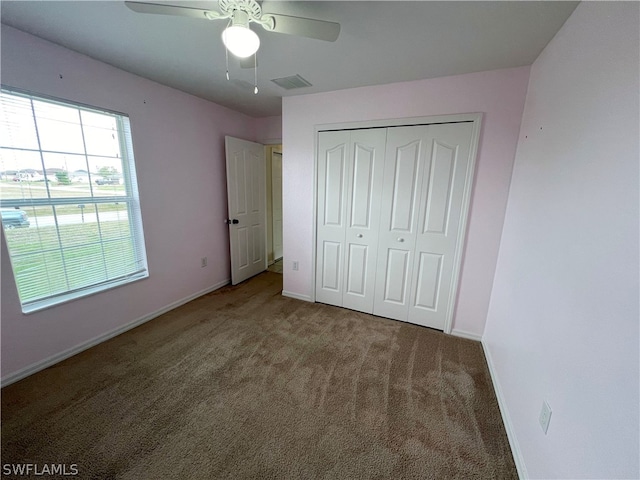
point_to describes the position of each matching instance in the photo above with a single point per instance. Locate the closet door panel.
(404, 163)
(331, 260)
(333, 152)
(428, 277)
(361, 185)
(405, 177)
(365, 174)
(440, 207)
(357, 270)
(439, 188)
(395, 281)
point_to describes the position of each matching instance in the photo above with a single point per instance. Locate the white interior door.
(440, 221)
(246, 182)
(404, 163)
(276, 203)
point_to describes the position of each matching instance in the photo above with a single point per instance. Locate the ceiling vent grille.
(292, 82)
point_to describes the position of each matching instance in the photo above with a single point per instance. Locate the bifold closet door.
(365, 171)
(426, 174)
(350, 172)
(333, 150)
(406, 154)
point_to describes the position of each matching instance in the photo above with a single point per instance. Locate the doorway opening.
(276, 267)
(274, 208)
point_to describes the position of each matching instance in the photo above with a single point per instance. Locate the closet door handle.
(400, 239)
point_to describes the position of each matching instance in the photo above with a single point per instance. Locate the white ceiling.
(380, 42)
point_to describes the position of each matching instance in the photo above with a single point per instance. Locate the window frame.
(131, 198)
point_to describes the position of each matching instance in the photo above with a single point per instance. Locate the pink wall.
(179, 153)
(563, 319)
(498, 94)
(269, 130)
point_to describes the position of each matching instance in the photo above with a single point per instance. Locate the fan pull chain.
(255, 73)
(226, 53)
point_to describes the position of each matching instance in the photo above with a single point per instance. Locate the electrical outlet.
(203, 262)
(545, 416)
(295, 265)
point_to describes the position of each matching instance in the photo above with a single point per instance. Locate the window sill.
(86, 292)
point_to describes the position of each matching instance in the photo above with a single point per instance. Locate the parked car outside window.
(14, 218)
(110, 181)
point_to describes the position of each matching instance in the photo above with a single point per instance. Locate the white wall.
(178, 144)
(563, 320)
(498, 94)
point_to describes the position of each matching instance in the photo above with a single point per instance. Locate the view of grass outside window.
(68, 198)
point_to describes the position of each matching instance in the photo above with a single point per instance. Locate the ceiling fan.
(239, 39)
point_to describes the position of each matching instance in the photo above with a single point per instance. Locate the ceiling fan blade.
(248, 62)
(304, 27)
(160, 9)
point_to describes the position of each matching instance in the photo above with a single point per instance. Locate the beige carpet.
(244, 383)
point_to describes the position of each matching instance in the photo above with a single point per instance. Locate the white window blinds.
(69, 199)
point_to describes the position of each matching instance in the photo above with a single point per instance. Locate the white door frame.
(476, 118)
(275, 195)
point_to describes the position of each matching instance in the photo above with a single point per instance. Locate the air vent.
(289, 83)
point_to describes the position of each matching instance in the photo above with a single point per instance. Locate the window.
(69, 199)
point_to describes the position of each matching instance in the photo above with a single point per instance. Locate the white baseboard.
(468, 335)
(297, 296)
(58, 357)
(506, 418)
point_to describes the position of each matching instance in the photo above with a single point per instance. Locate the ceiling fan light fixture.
(239, 39)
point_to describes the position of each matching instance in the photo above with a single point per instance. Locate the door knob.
(400, 239)
(235, 221)
(359, 235)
